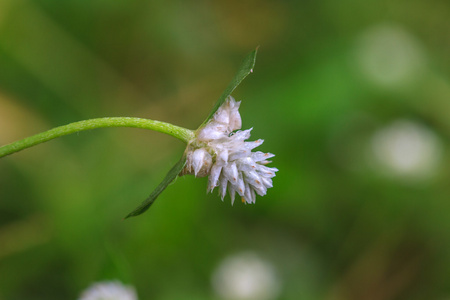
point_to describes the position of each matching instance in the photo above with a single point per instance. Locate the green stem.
(180, 133)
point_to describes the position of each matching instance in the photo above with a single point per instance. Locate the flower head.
(220, 152)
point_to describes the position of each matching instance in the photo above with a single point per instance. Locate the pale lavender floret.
(212, 132)
(232, 191)
(239, 154)
(241, 135)
(240, 186)
(223, 182)
(225, 120)
(259, 189)
(200, 162)
(197, 159)
(251, 175)
(253, 145)
(261, 156)
(222, 158)
(222, 116)
(227, 158)
(246, 164)
(231, 172)
(235, 117)
(256, 181)
(231, 107)
(267, 182)
(214, 176)
(249, 194)
(266, 171)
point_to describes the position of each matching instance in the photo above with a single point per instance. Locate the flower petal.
(214, 176)
(222, 158)
(240, 186)
(265, 171)
(241, 135)
(261, 156)
(223, 182)
(252, 145)
(232, 192)
(197, 159)
(231, 173)
(238, 154)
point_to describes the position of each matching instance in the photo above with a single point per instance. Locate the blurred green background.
(353, 97)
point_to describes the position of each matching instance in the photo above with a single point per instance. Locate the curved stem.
(180, 133)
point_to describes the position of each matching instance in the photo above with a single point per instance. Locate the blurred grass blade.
(245, 69)
(173, 173)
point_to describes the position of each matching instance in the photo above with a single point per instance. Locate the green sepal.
(171, 175)
(246, 68)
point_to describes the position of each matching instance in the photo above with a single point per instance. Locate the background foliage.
(352, 96)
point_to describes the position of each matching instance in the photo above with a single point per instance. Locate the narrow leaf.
(246, 68)
(173, 173)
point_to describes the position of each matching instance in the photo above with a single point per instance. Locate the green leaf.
(173, 173)
(246, 68)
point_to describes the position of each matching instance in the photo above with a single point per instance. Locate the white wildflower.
(246, 276)
(108, 290)
(227, 158)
